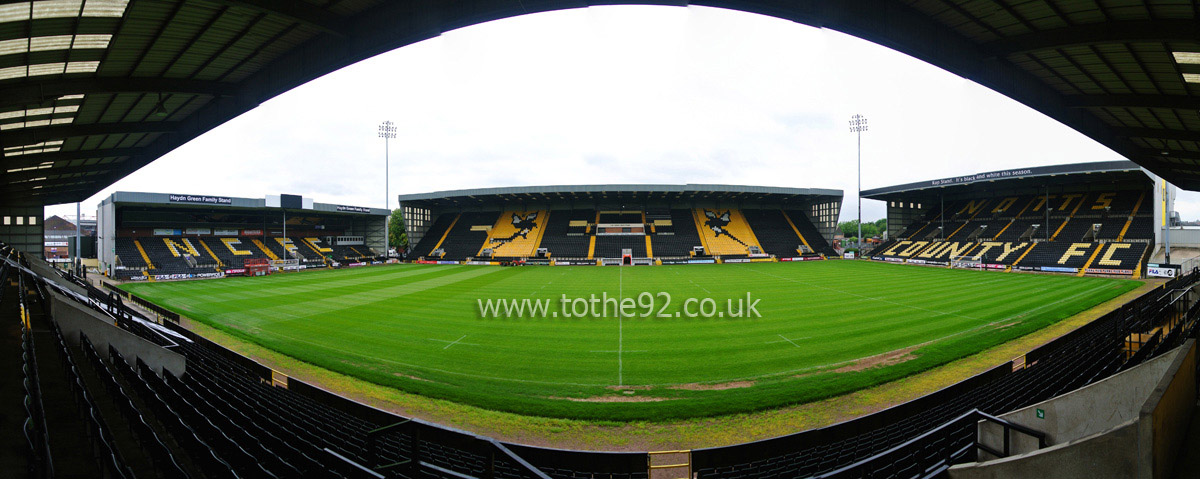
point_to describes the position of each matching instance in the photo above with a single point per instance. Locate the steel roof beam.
(26, 161)
(28, 136)
(301, 12)
(1178, 102)
(1158, 133)
(1180, 154)
(42, 90)
(10, 178)
(50, 185)
(1157, 31)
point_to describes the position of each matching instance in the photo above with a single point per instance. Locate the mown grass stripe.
(377, 324)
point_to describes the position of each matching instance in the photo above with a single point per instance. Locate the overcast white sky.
(619, 95)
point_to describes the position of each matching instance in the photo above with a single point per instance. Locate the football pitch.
(815, 329)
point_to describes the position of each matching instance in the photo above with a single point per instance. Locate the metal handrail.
(518, 459)
(920, 439)
(1008, 425)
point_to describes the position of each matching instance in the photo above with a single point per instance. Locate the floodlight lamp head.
(387, 129)
(858, 123)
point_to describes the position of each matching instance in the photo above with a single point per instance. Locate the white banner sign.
(1156, 272)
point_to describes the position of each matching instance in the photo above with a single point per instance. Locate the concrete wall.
(74, 318)
(1165, 416)
(21, 227)
(1108, 455)
(1129, 425)
(1075, 415)
(1182, 238)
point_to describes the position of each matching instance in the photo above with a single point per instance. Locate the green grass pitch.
(418, 328)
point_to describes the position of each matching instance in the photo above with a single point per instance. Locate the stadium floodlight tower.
(387, 131)
(858, 124)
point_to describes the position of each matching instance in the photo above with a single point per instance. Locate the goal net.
(970, 262)
(285, 264)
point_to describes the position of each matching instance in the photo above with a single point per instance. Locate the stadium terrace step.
(288, 248)
(724, 231)
(470, 230)
(516, 234)
(311, 244)
(776, 233)
(267, 251)
(145, 258)
(210, 252)
(808, 230)
(434, 235)
(14, 448)
(1137, 206)
(1074, 257)
(677, 235)
(567, 234)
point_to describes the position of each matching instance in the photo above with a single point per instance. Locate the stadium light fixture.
(1189, 58)
(387, 131)
(160, 110)
(858, 124)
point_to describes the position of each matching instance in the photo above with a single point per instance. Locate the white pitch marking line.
(701, 287)
(619, 351)
(790, 341)
(620, 327)
(452, 343)
(455, 342)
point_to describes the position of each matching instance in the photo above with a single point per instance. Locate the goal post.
(285, 264)
(966, 262)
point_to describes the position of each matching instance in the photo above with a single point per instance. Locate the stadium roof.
(632, 193)
(126, 198)
(91, 91)
(1035, 176)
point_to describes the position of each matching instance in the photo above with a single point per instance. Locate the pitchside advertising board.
(1109, 271)
(166, 277)
(1162, 270)
(581, 262)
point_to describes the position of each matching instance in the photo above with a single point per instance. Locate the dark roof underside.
(91, 91)
(631, 195)
(1099, 175)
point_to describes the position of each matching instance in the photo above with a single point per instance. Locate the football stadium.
(1031, 322)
